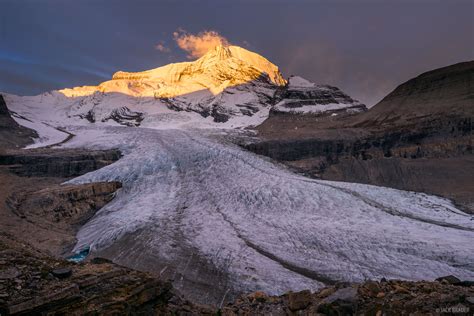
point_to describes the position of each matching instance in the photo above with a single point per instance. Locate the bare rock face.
(419, 138)
(57, 163)
(37, 209)
(63, 205)
(12, 135)
(124, 116)
(446, 94)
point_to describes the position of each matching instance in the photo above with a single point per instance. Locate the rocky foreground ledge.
(33, 283)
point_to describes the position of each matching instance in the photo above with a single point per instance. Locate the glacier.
(197, 208)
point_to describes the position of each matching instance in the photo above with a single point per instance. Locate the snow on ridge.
(313, 108)
(300, 82)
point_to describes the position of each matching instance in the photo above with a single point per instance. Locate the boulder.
(62, 273)
(450, 279)
(299, 300)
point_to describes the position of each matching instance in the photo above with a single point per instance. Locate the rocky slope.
(56, 163)
(34, 206)
(12, 135)
(32, 283)
(441, 97)
(420, 138)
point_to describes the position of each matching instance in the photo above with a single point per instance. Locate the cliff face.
(420, 138)
(56, 163)
(301, 96)
(12, 135)
(35, 208)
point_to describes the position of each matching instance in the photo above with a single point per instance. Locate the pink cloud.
(199, 44)
(162, 47)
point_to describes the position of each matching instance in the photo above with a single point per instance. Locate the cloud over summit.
(199, 44)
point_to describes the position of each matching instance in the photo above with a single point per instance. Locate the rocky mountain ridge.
(301, 96)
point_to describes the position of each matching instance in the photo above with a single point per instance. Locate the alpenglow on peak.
(228, 84)
(218, 69)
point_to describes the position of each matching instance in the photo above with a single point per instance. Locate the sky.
(364, 47)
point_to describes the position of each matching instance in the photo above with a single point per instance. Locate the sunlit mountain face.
(220, 68)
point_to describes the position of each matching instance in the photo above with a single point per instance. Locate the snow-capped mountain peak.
(300, 82)
(228, 87)
(220, 68)
(227, 82)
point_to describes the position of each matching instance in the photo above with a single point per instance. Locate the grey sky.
(365, 47)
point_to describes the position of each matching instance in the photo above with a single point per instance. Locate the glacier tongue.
(218, 219)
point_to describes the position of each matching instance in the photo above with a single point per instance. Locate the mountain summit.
(229, 85)
(220, 68)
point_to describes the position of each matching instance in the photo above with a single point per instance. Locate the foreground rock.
(370, 298)
(418, 138)
(31, 282)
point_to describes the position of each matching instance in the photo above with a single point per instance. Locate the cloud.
(162, 47)
(199, 44)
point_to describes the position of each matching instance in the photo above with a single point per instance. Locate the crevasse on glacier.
(191, 201)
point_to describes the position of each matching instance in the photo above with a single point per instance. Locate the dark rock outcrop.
(123, 116)
(300, 96)
(446, 93)
(63, 205)
(370, 298)
(12, 135)
(58, 162)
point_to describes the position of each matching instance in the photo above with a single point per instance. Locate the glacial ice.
(186, 192)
